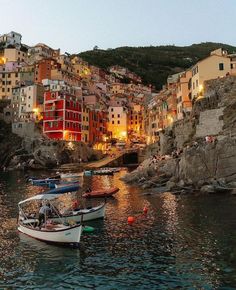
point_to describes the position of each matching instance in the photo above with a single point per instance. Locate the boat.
(54, 232)
(71, 175)
(44, 182)
(113, 169)
(101, 193)
(88, 214)
(68, 185)
(88, 172)
(30, 178)
(64, 189)
(103, 172)
(98, 172)
(62, 184)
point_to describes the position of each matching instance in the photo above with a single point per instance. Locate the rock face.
(37, 153)
(202, 165)
(209, 161)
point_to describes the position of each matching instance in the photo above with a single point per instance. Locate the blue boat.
(44, 182)
(61, 184)
(88, 172)
(64, 189)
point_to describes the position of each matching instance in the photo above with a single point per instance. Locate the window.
(112, 109)
(118, 122)
(113, 122)
(113, 116)
(221, 66)
(118, 115)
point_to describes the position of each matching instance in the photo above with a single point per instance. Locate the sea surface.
(184, 242)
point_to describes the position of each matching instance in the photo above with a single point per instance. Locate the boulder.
(170, 185)
(207, 189)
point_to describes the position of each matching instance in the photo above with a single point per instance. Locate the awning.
(40, 197)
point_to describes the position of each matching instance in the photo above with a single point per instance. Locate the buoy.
(88, 229)
(145, 210)
(130, 220)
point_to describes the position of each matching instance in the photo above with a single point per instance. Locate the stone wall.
(24, 129)
(184, 131)
(210, 122)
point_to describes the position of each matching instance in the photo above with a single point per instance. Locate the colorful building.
(216, 65)
(62, 116)
(117, 120)
(184, 103)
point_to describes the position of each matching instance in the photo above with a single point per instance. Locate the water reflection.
(184, 242)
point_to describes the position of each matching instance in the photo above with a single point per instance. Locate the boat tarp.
(44, 196)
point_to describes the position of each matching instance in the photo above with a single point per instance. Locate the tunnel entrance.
(130, 158)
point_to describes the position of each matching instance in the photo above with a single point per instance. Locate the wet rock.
(181, 183)
(233, 191)
(170, 185)
(207, 189)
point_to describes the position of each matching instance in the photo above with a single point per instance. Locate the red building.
(62, 116)
(98, 121)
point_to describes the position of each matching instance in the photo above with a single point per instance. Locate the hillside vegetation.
(153, 63)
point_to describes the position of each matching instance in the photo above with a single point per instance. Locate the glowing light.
(200, 88)
(36, 110)
(65, 133)
(123, 133)
(2, 60)
(71, 145)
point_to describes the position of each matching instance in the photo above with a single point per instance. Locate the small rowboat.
(30, 178)
(88, 214)
(64, 189)
(98, 172)
(59, 233)
(101, 193)
(62, 184)
(71, 175)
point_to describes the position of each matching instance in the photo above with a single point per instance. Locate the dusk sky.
(79, 25)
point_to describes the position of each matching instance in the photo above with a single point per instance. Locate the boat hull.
(65, 235)
(88, 215)
(101, 193)
(71, 175)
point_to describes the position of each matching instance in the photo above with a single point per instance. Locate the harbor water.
(184, 242)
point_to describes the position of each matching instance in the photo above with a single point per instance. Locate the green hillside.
(153, 63)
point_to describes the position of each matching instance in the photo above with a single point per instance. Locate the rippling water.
(186, 242)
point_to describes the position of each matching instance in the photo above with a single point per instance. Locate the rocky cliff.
(208, 166)
(38, 152)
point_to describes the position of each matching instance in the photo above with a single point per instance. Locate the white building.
(27, 103)
(12, 38)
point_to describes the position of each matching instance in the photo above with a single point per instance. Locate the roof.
(44, 196)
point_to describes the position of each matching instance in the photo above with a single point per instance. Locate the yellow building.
(216, 65)
(184, 103)
(8, 79)
(13, 54)
(117, 124)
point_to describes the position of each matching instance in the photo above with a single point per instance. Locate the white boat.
(55, 232)
(71, 175)
(87, 214)
(60, 233)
